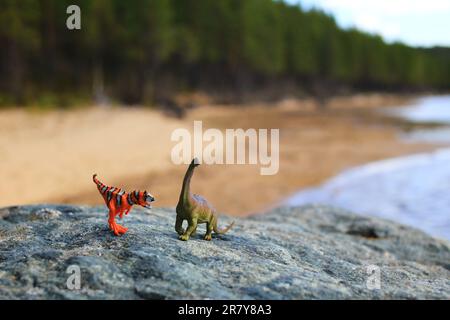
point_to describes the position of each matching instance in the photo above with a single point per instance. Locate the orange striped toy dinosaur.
(120, 202)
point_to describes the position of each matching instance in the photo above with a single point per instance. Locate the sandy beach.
(50, 156)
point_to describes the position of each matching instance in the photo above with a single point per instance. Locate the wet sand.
(49, 157)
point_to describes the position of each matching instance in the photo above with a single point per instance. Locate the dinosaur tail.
(222, 231)
(99, 184)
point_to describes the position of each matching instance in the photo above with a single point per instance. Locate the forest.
(145, 51)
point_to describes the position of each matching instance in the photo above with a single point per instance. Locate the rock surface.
(311, 252)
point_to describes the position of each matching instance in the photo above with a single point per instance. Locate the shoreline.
(63, 149)
(410, 189)
(402, 189)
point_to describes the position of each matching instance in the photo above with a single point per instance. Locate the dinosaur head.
(145, 199)
(195, 162)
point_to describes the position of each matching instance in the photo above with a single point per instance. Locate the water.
(439, 135)
(413, 190)
(434, 109)
(426, 109)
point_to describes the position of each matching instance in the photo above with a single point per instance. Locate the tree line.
(142, 51)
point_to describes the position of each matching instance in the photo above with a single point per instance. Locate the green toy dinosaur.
(195, 209)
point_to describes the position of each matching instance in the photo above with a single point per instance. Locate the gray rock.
(312, 252)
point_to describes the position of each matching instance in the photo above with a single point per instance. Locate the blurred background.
(339, 78)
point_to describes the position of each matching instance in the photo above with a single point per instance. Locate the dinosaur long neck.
(185, 193)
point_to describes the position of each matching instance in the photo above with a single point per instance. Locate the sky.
(414, 22)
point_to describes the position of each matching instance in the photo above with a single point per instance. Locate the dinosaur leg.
(192, 225)
(112, 222)
(179, 225)
(121, 229)
(126, 211)
(209, 230)
(194, 232)
(116, 228)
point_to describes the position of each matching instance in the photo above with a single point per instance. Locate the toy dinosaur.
(120, 202)
(195, 209)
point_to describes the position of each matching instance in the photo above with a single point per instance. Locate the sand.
(49, 157)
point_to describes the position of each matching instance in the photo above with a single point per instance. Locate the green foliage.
(262, 36)
(126, 47)
(19, 23)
